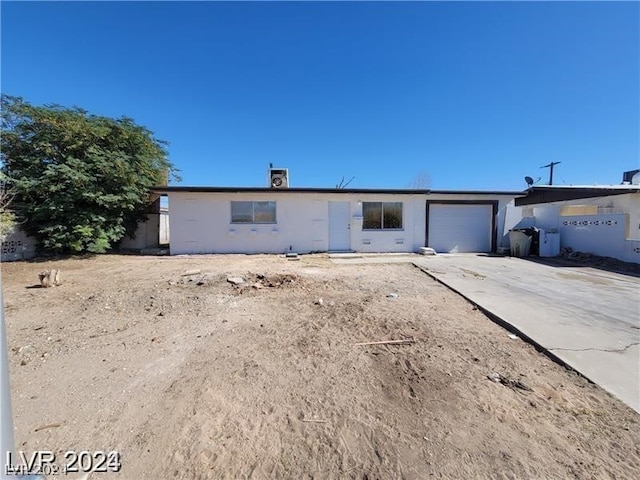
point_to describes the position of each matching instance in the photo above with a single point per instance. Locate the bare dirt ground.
(190, 377)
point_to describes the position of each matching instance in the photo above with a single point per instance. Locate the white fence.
(603, 234)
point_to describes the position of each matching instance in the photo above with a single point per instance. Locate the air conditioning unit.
(279, 178)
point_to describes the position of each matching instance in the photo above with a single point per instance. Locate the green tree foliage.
(81, 181)
(7, 217)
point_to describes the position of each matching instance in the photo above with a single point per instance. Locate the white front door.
(339, 233)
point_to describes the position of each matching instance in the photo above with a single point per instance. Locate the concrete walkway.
(588, 318)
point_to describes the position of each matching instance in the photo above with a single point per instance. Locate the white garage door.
(460, 228)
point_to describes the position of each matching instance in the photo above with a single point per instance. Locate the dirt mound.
(256, 281)
(273, 280)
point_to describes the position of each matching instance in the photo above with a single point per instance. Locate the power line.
(550, 167)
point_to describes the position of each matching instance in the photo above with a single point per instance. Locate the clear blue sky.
(477, 95)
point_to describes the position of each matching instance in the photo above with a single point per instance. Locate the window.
(382, 215)
(570, 210)
(253, 212)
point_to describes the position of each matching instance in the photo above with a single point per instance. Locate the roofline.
(620, 186)
(392, 191)
(545, 194)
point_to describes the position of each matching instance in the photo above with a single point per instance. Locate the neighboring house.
(153, 232)
(600, 219)
(303, 220)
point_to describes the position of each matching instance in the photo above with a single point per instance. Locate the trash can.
(520, 243)
(533, 247)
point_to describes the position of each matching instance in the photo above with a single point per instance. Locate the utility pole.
(550, 167)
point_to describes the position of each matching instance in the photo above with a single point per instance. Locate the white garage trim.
(457, 227)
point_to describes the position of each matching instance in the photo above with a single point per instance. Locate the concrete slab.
(351, 258)
(587, 318)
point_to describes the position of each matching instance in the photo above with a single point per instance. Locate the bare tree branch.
(421, 181)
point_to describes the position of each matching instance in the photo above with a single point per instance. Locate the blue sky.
(476, 95)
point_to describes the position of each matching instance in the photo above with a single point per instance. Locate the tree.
(421, 181)
(81, 182)
(7, 217)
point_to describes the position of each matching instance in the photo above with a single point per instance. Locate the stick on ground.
(406, 341)
(49, 425)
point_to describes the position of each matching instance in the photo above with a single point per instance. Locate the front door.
(339, 233)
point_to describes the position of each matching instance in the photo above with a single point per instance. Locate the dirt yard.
(190, 377)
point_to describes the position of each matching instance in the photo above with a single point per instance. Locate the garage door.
(460, 228)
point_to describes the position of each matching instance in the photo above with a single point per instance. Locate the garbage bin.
(520, 243)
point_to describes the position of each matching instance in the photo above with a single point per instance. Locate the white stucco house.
(598, 219)
(279, 219)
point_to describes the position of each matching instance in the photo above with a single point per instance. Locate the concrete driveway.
(588, 318)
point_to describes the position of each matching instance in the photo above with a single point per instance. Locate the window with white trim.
(382, 215)
(253, 212)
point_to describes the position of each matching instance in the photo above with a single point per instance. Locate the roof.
(620, 186)
(392, 191)
(559, 193)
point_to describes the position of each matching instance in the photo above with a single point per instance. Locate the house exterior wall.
(602, 234)
(200, 222)
(515, 217)
(629, 204)
(614, 231)
(409, 239)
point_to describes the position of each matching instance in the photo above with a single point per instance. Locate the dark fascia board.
(176, 189)
(537, 195)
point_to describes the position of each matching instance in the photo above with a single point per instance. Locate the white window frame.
(253, 220)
